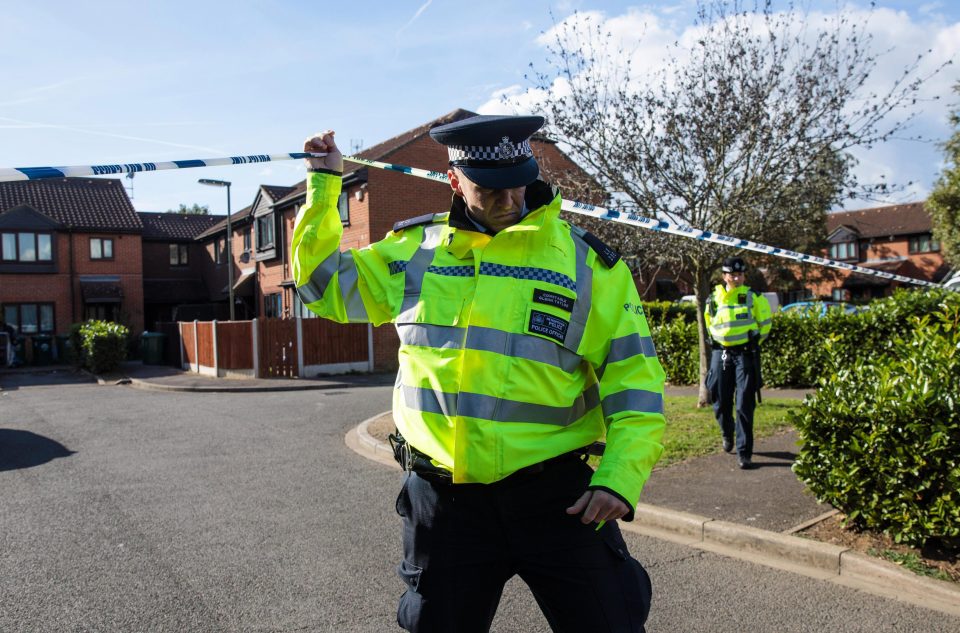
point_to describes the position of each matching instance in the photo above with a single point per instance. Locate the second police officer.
(738, 320)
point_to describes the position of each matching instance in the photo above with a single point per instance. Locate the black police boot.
(727, 444)
(745, 463)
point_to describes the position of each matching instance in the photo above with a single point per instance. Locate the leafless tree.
(746, 132)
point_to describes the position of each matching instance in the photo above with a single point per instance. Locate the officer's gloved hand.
(322, 142)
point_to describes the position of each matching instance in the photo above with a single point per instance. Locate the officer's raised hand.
(322, 142)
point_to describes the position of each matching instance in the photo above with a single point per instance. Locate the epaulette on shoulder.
(417, 221)
(609, 256)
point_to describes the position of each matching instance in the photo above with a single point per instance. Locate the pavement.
(165, 378)
(706, 502)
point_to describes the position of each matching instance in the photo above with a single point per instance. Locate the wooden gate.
(278, 348)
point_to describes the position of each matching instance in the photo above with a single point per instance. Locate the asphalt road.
(129, 510)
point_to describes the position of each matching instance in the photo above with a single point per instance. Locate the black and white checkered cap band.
(505, 151)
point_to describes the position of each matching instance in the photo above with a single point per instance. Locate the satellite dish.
(245, 256)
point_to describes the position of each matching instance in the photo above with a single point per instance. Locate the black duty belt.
(414, 461)
(734, 349)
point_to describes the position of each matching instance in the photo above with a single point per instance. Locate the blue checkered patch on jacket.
(527, 272)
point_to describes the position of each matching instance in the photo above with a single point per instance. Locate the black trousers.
(738, 375)
(462, 542)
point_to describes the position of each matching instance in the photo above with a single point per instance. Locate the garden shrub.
(102, 345)
(793, 353)
(661, 312)
(676, 343)
(881, 437)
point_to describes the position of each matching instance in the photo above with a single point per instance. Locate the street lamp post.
(224, 183)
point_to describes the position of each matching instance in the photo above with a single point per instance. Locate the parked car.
(820, 308)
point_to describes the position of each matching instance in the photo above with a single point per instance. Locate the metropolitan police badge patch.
(548, 325)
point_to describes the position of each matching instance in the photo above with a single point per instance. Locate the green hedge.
(660, 312)
(101, 345)
(795, 354)
(881, 437)
(676, 343)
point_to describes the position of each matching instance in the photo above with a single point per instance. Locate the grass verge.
(692, 432)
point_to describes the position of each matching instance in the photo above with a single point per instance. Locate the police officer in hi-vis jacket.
(521, 345)
(738, 320)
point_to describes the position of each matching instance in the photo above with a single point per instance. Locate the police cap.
(492, 151)
(734, 265)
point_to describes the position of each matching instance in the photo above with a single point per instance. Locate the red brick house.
(213, 270)
(70, 250)
(257, 249)
(173, 264)
(896, 239)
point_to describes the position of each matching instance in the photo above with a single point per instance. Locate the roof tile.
(175, 226)
(897, 219)
(97, 204)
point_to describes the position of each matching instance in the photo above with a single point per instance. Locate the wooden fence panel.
(278, 348)
(235, 345)
(205, 340)
(326, 342)
(189, 346)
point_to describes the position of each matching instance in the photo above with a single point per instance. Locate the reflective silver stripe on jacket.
(426, 335)
(522, 346)
(344, 265)
(313, 290)
(584, 289)
(732, 338)
(627, 347)
(633, 400)
(416, 268)
(485, 407)
(734, 323)
(429, 401)
(489, 340)
(350, 289)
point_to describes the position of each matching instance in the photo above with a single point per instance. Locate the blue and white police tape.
(664, 226)
(37, 173)
(573, 206)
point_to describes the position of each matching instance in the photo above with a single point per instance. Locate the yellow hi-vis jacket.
(732, 315)
(514, 348)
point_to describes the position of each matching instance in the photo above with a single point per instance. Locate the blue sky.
(133, 82)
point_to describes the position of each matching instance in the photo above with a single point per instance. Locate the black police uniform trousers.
(738, 374)
(462, 542)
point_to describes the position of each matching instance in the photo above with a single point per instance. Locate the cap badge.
(507, 149)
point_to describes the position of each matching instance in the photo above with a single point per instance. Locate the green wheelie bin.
(151, 347)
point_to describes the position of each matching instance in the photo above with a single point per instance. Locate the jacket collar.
(542, 199)
(539, 196)
(722, 293)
